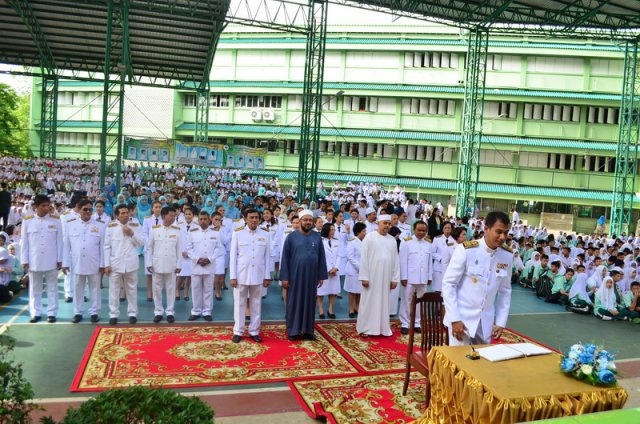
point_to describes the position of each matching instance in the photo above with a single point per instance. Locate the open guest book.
(502, 352)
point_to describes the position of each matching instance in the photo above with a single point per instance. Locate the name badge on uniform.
(449, 244)
(260, 239)
(474, 280)
(95, 230)
(51, 226)
(501, 266)
(173, 236)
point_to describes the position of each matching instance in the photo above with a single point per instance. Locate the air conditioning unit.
(256, 115)
(268, 115)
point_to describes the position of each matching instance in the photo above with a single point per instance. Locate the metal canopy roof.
(166, 43)
(586, 16)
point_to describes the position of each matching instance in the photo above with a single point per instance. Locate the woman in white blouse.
(331, 286)
(443, 247)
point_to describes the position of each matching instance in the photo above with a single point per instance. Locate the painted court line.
(6, 326)
(200, 393)
(541, 313)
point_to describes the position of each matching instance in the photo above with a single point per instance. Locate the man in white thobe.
(248, 272)
(379, 274)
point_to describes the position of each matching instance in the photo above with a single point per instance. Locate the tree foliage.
(14, 122)
(15, 391)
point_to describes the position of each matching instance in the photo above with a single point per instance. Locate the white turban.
(305, 212)
(384, 218)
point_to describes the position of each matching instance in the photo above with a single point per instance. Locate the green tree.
(14, 121)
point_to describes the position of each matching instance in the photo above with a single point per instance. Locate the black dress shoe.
(339, 296)
(186, 298)
(157, 318)
(95, 318)
(417, 330)
(404, 330)
(236, 338)
(86, 299)
(177, 298)
(208, 318)
(171, 319)
(193, 317)
(352, 314)
(113, 321)
(51, 320)
(122, 299)
(309, 337)
(293, 338)
(133, 320)
(225, 288)
(321, 316)
(256, 338)
(332, 316)
(68, 299)
(35, 319)
(218, 297)
(76, 319)
(149, 299)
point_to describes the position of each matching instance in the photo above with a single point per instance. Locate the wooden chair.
(434, 333)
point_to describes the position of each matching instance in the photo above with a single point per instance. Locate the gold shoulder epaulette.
(156, 226)
(113, 224)
(408, 238)
(236, 220)
(265, 229)
(148, 216)
(470, 244)
(239, 228)
(133, 224)
(507, 248)
(65, 213)
(27, 217)
(427, 238)
(216, 229)
(194, 229)
(58, 217)
(336, 239)
(352, 239)
(71, 220)
(175, 227)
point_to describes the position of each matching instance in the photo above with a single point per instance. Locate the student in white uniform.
(476, 287)
(331, 286)
(206, 252)
(150, 221)
(443, 247)
(69, 277)
(416, 272)
(184, 277)
(248, 273)
(163, 259)
(41, 256)
(352, 284)
(84, 254)
(122, 240)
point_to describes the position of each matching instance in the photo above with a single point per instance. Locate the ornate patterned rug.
(364, 399)
(192, 356)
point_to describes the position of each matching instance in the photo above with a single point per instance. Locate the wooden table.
(525, 389)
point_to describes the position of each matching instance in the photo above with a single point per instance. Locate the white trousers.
(202, 294)
(93, 281)
(467, 340)
(35, 292)
(167, 282)
(69, 284)
(405, 303)
(240, 295)
(128, 280)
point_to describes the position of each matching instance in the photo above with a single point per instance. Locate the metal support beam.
(312, 100)
(202, 115)
(627, 149)
(24, 10)
(469, 157)
(49, 116)
(117, 44)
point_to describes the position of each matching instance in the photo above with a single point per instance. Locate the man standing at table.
(476, 287)
(379, 274)
(302, 270)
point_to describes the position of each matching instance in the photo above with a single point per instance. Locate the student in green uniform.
(561, 287)
(607, 304)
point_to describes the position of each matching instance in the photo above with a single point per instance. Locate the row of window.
(443, 107)
(77, 139)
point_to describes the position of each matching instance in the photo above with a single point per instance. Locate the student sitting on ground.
(561, 286)
(579, 299)
(631, 301)
(527, 273)
(546, 280)
(541, 270)
(607, 305)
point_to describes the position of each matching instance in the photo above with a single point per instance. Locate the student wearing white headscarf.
(527, 272)
(607, 304)
(595, 281)
(579, 296)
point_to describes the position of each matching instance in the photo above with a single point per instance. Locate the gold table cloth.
(517, 390)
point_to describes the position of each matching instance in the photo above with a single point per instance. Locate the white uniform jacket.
(250, 256)
(475, 276)
(442, 250)
(415, 260)
(163, 250)
(204, 244)
(354, 247)
(42, 242)
(84, 246)
(120, 250)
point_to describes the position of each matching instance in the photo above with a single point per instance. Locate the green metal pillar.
(627, 149)
(49, 116)
(113, 89)
(312, 100)
(203, 96)
(469, 157)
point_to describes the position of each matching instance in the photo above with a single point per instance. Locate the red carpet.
(364, 399)
(192, 356)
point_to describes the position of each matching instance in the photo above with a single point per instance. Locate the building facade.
(392, 113)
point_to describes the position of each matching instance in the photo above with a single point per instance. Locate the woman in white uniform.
(288, 229)
(331, 286)
(443, 247)
(352, 284)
